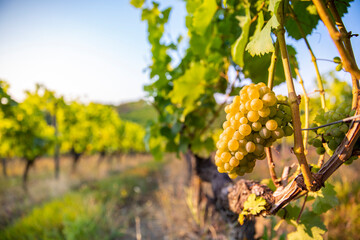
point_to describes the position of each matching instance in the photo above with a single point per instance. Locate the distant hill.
(139, 112)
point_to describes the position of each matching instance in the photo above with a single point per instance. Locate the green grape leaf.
(342, 6)
(254, 205)
(203, 16)
(188, 88)
(238, 48)
(253, 64)
(309, 19)
(325, 199)
(137, 3)
(192, 5)
(310, 227)
(261, 42)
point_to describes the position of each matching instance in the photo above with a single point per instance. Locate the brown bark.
(76, 157)
(4, 166)
(221, 186)
(29, 164)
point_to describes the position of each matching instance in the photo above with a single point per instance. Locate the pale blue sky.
(98, 50)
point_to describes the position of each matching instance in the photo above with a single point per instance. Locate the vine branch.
(294, 104)
(313, 58)
(348, 63)
(347, 43)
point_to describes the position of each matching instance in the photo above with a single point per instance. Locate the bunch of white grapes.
(254, 120)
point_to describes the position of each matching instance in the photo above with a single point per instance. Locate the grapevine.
(256, 117)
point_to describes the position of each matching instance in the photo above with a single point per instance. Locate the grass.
(89, 211)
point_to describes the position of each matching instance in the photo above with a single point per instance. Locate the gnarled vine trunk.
(220, 183)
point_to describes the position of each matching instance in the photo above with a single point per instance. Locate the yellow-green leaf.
(238, 48)
(137, 3)
(203, 16)
(188, 88)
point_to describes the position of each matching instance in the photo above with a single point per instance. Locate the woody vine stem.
(293, 101)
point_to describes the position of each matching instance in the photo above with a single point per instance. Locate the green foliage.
(310, 226)
(223, 36)
(188, 88)
(87, 212)
(203, 15)
(59, 219)
(137, 3)
(238, 48)
(306, 11)
(252, 206)
(325, 199)
(34, 127)
(261, 41)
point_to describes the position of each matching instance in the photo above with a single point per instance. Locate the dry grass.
(42, 185)
(172, 210)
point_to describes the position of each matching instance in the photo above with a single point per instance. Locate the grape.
(264, 133)
(277, 133)
(233, 145)
(226, 124)
(237, 135)
(269, 99)
(238, 115)
(259, 149)
(239, 155)
(242, 142)
(227, 109)
(253, 116)
(258, 139)
(256, 104)
(288, 130)
(232, 175)
(344, 128)
(330, 136)
(227, 166)
(244, 120)
(273, 112)
(256, 126)
(225, 157)
(332, 144)
(218, 161)
(271, 125)
(243, 109)
(250, 147)
(317, 143)
(264, 90)
(248, 106)
(264, 112)
(253, 93)
(320, 150)
(254, 120)
(233, 162)
(245, 129)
